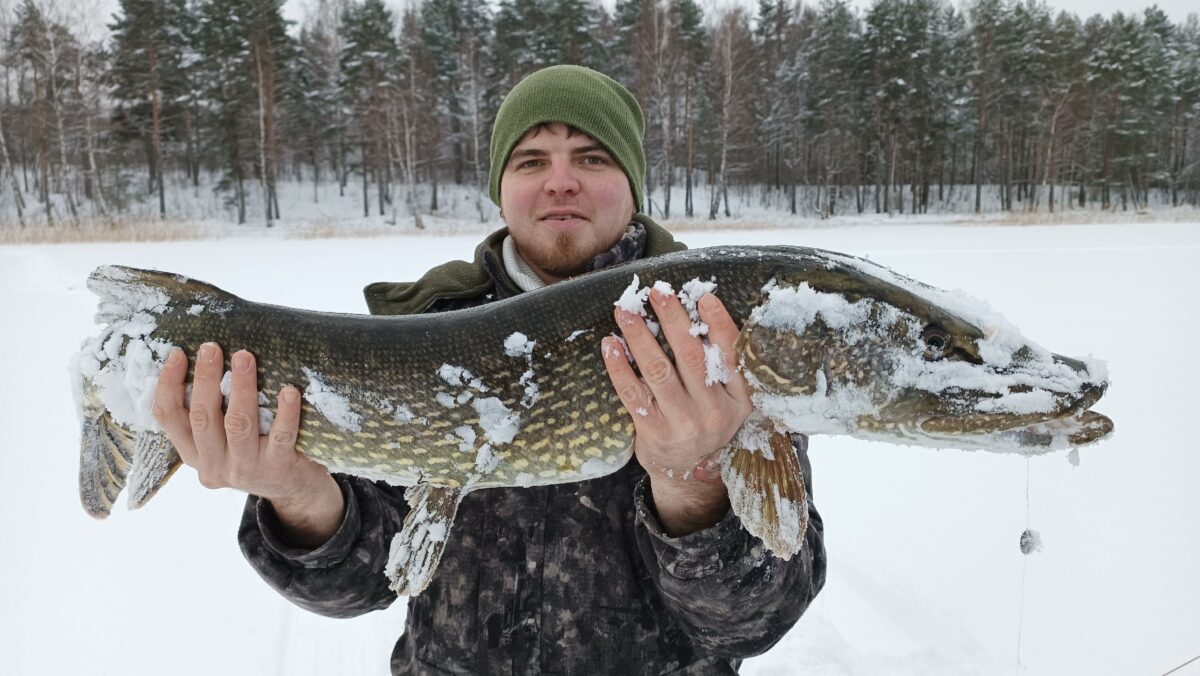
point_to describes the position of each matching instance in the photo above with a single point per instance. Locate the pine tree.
(149, 39)
(885, 57)
(48, 50)
(243, 55)
(984, 21)
(520, 45)
(773, 108)
(729, 118)
(456, 37)
(572, 32)
(315, 117)
(1182, 160)
(369, 60)
(693, 45)
(831, 119)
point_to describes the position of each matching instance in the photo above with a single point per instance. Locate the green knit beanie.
(583, 98)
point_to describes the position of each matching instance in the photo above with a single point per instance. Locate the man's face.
(564, 199)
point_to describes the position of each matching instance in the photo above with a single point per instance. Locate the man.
(642, 571)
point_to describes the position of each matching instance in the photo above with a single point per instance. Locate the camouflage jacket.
(568, 579)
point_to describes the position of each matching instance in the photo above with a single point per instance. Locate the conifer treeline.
(909, 106)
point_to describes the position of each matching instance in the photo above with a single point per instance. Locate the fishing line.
(1197, 657)
(1024, 567)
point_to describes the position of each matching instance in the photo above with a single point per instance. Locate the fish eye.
(936, 341)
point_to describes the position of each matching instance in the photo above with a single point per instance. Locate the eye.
(594, 160)
(936, 341)
(528, 163)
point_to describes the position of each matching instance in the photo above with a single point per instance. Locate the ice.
(518, 345)
(532, 392)
(716, 371)
(633, 299)
(690, 296)
(465, 436)
(498, 422)
(924, 575)
(458, 376)
(795, 308)
(329, 402)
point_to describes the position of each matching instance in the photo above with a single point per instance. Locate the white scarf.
(518, 269)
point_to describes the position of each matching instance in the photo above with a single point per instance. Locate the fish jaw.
(903, 369)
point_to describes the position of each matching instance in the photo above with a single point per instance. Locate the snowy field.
(925, 575)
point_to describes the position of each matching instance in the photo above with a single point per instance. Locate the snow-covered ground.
(925, 574)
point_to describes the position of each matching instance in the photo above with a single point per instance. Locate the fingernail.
(288, 394)
(241, 362)
(609, 348)
(625, 318)
(708, 301)
(174, 355)
(208, 351)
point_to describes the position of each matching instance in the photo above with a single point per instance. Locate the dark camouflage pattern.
(565, 579)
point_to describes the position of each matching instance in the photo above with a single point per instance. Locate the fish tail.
(126, 292)
(105, 456)
(113, 457)
(766, 487)
(154, 463)
(417, 548)
(114, 379)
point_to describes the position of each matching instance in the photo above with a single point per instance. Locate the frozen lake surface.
(925, 573)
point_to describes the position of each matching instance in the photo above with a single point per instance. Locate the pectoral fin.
(154, 461)
(766, 486)
(417, 548)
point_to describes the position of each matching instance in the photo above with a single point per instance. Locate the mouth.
(563, 220)
(1074, 425)
(1077, 430)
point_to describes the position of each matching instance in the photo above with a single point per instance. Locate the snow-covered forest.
(910, 106)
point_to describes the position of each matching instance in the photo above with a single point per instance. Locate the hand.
(227, 451)
(680, 420)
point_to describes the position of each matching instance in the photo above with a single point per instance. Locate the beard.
(564, 257)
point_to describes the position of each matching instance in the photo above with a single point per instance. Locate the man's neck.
(526, 277)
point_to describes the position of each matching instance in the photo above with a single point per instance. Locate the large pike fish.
(514, 393)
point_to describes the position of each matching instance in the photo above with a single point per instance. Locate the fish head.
(853, 348)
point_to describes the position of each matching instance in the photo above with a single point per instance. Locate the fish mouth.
(1074, 424)
(1078, 430)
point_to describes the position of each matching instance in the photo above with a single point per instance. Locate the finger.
(241, 416)
(657, 370)
(630, 389)
(169, 408)
(690, 360)
(281, 442)
(208, 429)
(723, 332)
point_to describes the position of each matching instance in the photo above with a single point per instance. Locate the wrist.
(310, 517)
(687, 506)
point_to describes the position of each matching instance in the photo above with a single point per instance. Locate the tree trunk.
(687, 107)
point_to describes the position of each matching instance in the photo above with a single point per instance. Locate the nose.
(562, 179)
